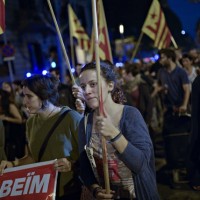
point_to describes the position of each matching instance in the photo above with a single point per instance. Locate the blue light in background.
(28, 74)
(188, 13)
(44, 72)
(136, 60)
(53, 64)
(183, 32)
(72, 70)
(119, 64)
(156, 57)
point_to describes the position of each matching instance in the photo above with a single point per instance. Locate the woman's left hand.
(4, 164)
(78, 92)
(104, 126)
(62, 165)
(80, 106)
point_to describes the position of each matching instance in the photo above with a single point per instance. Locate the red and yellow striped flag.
(104, 42)
(2, 16)
(77, 31)
(155, 26)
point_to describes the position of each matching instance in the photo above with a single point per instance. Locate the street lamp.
(121, 29)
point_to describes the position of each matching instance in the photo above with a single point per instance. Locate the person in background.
(187, 63)
(154, 69)
(65, 92)
(6, 86)
(68, 79)
(173, 86)
(195, 53)
(179, 53)
(17, 88)
(78, 68)
(173, 83)
(194, 148)
(130, 150)
(12, 120)
(2, 142)
(137, 91)
(40, 97)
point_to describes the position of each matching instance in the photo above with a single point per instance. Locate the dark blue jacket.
(138, 155)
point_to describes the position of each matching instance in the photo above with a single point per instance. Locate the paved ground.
(167, 193)
(169, 190)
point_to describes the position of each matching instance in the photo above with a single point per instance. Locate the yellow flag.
(77, 30)
(2, 16)
(104, 42)
(155, 26)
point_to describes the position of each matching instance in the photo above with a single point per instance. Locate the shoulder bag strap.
(42, 149)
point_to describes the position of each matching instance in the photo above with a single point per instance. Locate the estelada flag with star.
(77, 30)
(155, 26)
(104, 41)
(2, 16)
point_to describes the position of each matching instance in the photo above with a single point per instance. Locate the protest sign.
(34, 181)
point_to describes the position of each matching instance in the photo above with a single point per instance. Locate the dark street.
(169, 190)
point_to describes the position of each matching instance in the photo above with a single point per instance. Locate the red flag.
(104, 42)
(77, 31)
(2, 16)
(155, 26)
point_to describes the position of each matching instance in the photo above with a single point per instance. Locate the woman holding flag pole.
(130, 152)
(116, 152)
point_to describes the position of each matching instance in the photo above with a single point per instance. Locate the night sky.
(180, 15)
(188, 13)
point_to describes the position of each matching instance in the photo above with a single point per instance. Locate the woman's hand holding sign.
(62, 165)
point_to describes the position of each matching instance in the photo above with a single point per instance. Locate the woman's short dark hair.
(107, 71)
(45, 87)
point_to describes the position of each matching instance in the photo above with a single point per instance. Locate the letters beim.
(26, 185)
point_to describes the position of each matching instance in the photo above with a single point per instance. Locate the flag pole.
(174, 42)
(137, 46)
(72, 50)
(71, 38)
(61, 42)
(101, 112)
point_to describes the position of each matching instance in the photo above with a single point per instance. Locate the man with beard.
(173, 84)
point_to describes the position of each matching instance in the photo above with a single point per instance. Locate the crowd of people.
(139, 99)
